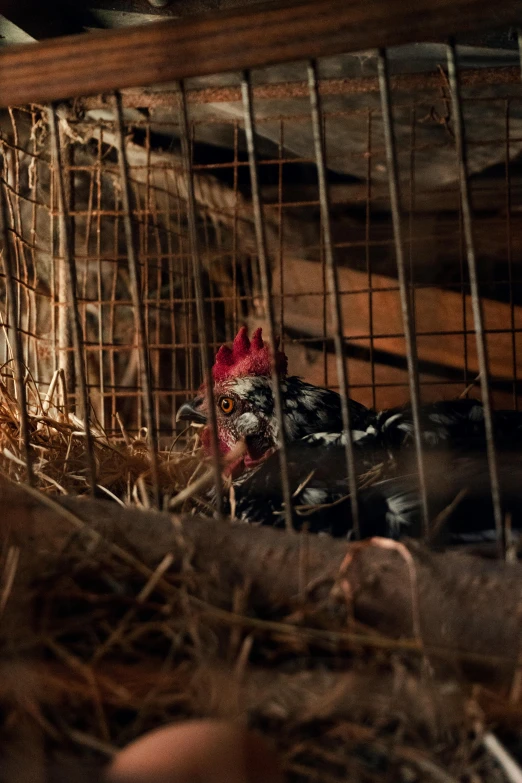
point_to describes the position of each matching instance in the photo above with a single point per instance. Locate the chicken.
(458, 493)
(316, 455)
(245, 402)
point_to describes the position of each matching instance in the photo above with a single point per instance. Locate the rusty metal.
(77, 337)
(15, 338)
(135, 286)
(248, 112)
(409, 334)
(206, 362)
(333, 290)
(478, 318)
(362, 85)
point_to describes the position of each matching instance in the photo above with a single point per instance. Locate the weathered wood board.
(445, 337)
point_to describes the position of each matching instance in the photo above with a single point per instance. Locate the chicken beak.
(189, 412)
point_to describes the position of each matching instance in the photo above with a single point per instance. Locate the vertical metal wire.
(197, 269)
(15, 337)
(509, 259)
(54, 282)
(411, 247)
(519, 36)
(172, 296)
(23, 273)
(100, 270)
(34, 218)
(70, 269)
(235, 254)
(368, 253)
(281, 233)
(333, 285)
(137, 304)
(458, 126)
(248, 114)
(66, 353)
(409, 338)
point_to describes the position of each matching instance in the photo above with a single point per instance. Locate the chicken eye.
(227, 405)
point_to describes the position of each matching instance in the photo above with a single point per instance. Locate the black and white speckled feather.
(245, 413)
(453, 424)
(390, 507)
(309, 409)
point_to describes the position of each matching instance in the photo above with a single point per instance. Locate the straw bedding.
(58, 442)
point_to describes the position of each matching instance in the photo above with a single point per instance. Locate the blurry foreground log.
(116, 621)
(452, 607)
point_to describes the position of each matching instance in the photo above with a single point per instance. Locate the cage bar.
(333, 285)
(135, 285)
(248, 113)
(478, 320)
(206, 363)
(15, 338)
(70, 268)
(406, 308)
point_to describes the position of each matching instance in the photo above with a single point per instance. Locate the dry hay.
(123, 467)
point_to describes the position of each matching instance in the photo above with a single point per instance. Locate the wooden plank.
(391, 383)
(437, 311)
(391, 379)
(263, 35)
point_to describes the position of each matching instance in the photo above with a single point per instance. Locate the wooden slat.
(264, 35)
(391, 382)
(436, 310)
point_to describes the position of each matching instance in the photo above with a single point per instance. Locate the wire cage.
(142, 227)
(326, 178)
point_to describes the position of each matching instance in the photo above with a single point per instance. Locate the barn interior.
(348, 178)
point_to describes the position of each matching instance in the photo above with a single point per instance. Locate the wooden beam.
(263, 35)
(442, 318)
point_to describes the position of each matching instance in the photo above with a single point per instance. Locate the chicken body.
(453, 435)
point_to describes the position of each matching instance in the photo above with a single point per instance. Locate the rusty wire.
(478, 318)
(248, 110)
(333, 291)
(406, 309)
(72, 295)
(381, 380)
(471, 77)
(135, 286)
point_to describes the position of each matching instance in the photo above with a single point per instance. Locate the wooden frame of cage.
(413, 603)
(266, 34)
(100, 62)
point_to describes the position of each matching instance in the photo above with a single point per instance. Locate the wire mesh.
(336, 213)
(374, 346)
(406, 308)
(478, 318)
(333, 292)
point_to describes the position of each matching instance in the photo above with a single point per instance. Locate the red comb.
(247, 357)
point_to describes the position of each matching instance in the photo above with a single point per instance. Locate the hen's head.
(242, 385)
